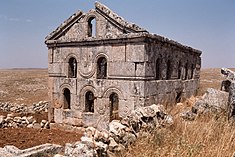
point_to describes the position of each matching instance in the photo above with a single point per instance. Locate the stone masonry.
(102, 67)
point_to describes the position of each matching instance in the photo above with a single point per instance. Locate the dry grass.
(207, 136)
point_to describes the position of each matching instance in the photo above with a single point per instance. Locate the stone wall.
(141, 68)
(11, 121)
(42, 106)
(15, 121)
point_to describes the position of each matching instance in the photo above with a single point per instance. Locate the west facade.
(102, 67)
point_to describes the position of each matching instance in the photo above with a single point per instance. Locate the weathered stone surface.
(37, 107)
(10, 121)
(119, 58)
(116, 128)
(188, 115)
(119, 135)
(231, 101)
(213, 100)
(229, 77)
(41, 150)
(5, 153)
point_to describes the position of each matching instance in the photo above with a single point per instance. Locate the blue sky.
(208, 25)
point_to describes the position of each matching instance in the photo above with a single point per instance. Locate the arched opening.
(192, 71)
(186, 72)
(67, 98)
(114, 102)
(91, 27)
(72, 68)
(168, 71)
(101, 68)
(157, 74)
(179, 70)
(89, 101)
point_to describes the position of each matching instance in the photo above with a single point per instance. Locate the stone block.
(73, 121)
(56, 69)
(58, 115)
(121, 69)
(135, 53)
(117, 54)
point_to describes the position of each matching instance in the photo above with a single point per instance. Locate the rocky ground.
(28, 86)
(25, 86)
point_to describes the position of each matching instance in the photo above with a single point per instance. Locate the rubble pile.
(120, 134)
(11, 121)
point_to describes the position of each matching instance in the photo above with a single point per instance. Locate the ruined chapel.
(101, 67)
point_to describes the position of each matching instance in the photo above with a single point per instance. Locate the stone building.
(102, 67)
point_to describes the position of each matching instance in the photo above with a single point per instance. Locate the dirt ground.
(27, 137)
(30, 86)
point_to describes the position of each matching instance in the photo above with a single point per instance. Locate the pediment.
(108, 25)
(65, 26)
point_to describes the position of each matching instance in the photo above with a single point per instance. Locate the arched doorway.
(67, 98)
(114, 103)
(72, 68)
(101, 68)
(89, 101)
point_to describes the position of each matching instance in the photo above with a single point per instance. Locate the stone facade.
(102, 67)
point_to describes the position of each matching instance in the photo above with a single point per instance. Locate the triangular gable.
(65, 26)
(117, 20)
(103, 11)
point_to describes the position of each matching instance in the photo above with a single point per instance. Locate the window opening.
(72, 68)
(114, 102)
(168, 72)
(67, 98)
(89, 102)
(157, 69)
(179, 70)
(92, 27)
(101, 68)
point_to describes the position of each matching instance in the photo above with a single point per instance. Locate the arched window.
(101, 68)
(89, 102)
(91, 27)
(168, 72)
(72, 68)
(67, 98)
(186, 72)
(114, 102)
(179, 70)
(158, 73)
(192, 71)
